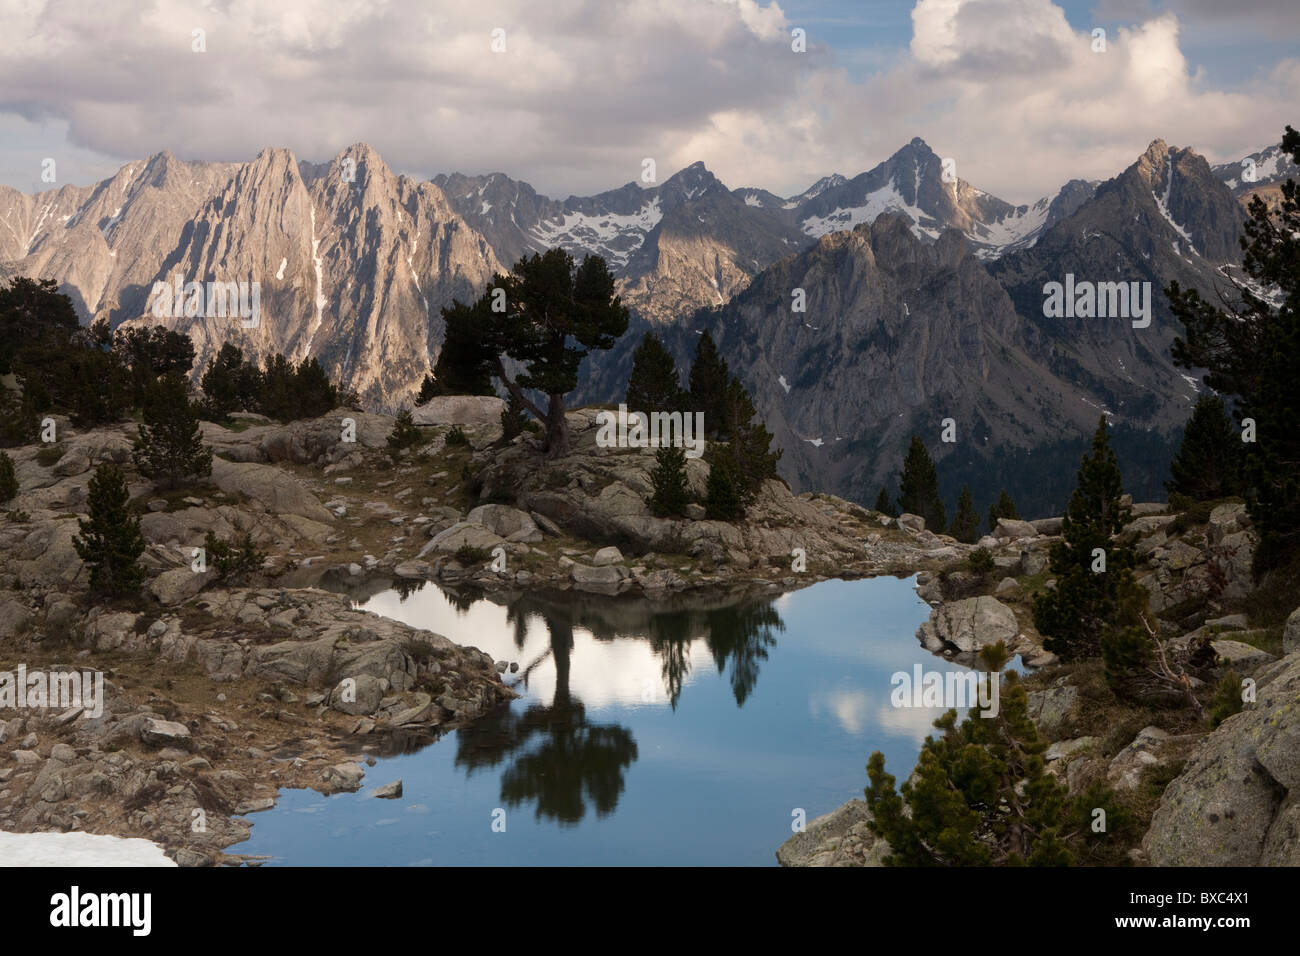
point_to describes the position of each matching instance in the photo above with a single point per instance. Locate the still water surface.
(647, 734)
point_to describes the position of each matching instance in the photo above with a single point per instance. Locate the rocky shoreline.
(217, 695)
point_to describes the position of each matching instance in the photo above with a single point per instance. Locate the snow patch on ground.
(279, 273)
(784, 385)
(78, 849)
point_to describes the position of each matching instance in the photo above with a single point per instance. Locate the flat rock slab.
(459, 410)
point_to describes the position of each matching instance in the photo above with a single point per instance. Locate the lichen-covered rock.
(1237, 801)
(839, 838)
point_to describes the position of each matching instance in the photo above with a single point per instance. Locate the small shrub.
(1227, 698)
(468, 554)
(1190, 513)
(405, 435)
(50, 454)
(457, 436)
(417, 650)
(231, 561)
(981, 561)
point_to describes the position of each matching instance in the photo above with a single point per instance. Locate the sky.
(579, 93)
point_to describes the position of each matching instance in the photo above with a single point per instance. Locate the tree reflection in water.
(572, 757)
(556, 756)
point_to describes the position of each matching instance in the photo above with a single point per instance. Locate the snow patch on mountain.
(1019, 229)
(874, 204)
(1162, 203)
(601, 234)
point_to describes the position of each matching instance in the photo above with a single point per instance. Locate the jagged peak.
(274, 156)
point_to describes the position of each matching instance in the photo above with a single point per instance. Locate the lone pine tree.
(547, 315)
(918, 485)
(110, 541)
(1092, 570)
(169, 447)
(1208, 463)
(884, 505)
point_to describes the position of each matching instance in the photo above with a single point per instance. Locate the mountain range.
(924, 294)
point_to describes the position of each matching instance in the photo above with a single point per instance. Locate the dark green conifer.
(918, 485)
(669, 480)
(653, 385)
(1092, 571)
(169, 447)
(1004, 507)
(110, 541)
(965, 526)
(1208, 463)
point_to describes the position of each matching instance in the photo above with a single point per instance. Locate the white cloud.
(587, 88)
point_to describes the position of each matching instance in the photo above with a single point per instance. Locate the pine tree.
(1004, 507)
(1093, 572)
(405, 434)
(169, 447)
(276, 394)
(1208, 463)
(918, 485)
(965, 526)
(1248, 350)
(545, 317)
(980, 795)
(669, 480)
(18, 421)
(749, 443)
(221, 384)
(8, 479)
(98, 392)
(708, 386)
(314, 395)
(147, 353)
(723, 500)
(654, 385)
(884, 505)
(110, 541)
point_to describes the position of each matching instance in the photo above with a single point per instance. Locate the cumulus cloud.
(585, 89)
